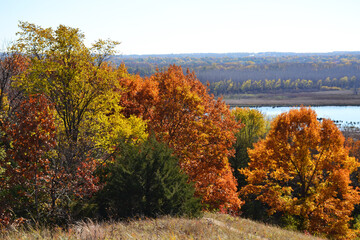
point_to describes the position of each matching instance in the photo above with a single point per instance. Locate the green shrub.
(146, 180)
(291, 222)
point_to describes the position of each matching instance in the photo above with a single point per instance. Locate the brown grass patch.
(322, 98)
(211, 226)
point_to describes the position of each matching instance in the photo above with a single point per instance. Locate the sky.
(196, 26)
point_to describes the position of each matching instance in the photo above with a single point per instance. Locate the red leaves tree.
(199, 128)
(303, 169)
(30, 136)
(35, 182)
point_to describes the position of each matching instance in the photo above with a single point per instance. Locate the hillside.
(210, 226)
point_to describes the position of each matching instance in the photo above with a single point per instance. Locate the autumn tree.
(65, 70)
(82, 87)
(302, 169)
(29, 134)
(84, 91)
(199, 128)
(254, 127)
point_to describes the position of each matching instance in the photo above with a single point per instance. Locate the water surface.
(339, 114)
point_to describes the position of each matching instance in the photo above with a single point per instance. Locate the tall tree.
(85, 93)
(254, 127)
(302, 168)
(82, 87)
(66, 71)
(199, 128)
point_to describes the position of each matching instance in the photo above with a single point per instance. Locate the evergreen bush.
(145, 180)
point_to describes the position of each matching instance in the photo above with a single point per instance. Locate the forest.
(83, 137)
(259, 73)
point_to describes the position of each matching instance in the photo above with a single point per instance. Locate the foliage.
(354, 147)
(37, 184)
(63, 69)
(302, 168)
(84, 91)
(254, 128)
(65, 113)
(29, 136)
(199, 128)
(82, 87)
(11, 65)
(354, 151)
(146, 180)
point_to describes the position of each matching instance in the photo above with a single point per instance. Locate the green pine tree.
(145, 180)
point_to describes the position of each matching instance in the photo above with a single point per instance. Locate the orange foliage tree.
(199, 128)
(303, 169)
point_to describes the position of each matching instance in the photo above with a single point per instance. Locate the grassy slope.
(211, 226)
(323, 98)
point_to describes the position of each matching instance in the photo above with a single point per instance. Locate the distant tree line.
(282, 85)
(230, 74)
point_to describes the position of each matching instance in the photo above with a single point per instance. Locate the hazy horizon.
(229, 53)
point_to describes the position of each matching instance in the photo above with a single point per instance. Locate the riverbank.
(322, 98)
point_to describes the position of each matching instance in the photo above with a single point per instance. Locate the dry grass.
(211, 226)
(333, 98)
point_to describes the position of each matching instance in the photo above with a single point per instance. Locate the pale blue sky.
(197, 26)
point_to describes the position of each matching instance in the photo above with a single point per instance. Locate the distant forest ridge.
(239, 54)
(230, 73)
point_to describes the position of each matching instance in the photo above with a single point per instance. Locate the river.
(342, 115)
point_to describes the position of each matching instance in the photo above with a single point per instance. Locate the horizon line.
(224, 53)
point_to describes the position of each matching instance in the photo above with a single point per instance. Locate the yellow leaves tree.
(85, 92)
(83, 88)
(254, 127)
(303, 169)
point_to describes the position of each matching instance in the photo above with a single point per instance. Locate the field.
(210, 226)
(322, 98)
